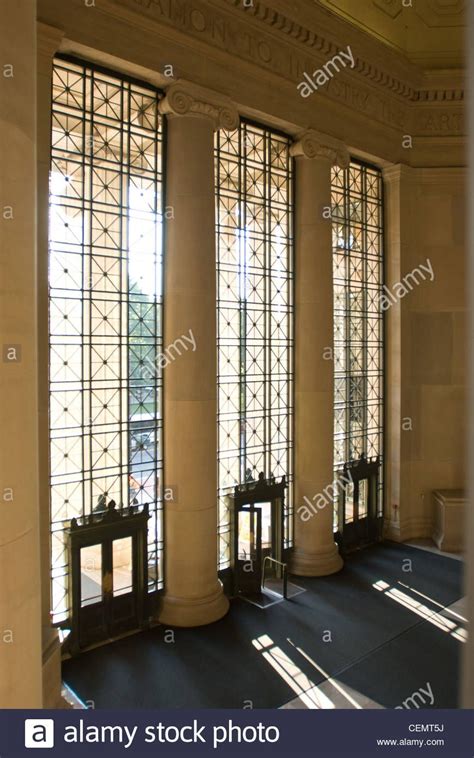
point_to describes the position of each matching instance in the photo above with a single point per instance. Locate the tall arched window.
(255, 313)
(357, 212)
(105, 276)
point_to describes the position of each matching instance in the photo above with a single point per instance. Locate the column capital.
(397, 172)
(313, 145)
(186, 99)
(48, 41)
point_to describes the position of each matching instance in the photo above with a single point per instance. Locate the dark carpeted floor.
(378, 642)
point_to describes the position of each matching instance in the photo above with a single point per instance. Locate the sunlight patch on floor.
(427, 614)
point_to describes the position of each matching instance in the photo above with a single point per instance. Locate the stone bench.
(448, 530)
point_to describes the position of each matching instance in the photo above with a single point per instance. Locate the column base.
(392, 531)
(321, 563)
(182, 611)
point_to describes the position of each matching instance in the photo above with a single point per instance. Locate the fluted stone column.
(194, 595)
(315, 552)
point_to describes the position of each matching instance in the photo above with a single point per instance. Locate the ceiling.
(429, 33)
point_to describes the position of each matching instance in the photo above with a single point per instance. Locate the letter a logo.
(39, 733)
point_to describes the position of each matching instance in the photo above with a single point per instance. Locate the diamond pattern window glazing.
(255, 313)
(357, 212)
(105, 277)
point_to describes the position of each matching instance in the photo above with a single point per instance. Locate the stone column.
(315, 552)
(20, 567)
(400, 228)
(48, 42)
(194, 595)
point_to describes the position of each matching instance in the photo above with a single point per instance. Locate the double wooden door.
(108, 575)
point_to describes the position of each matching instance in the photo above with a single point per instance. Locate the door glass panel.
(91, 575)
(266, 509)
(122, 566)
(247, 536)
(349, 502)
(363, 497)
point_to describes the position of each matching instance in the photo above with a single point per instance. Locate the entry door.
(359, 510)
(359, 522)
(108, 589)
(249, 550)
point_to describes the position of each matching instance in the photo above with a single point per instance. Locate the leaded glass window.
(255, 313)
(105, 277)
(357, 212)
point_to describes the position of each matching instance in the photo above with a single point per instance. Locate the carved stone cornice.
(186, 99)
(315, 32)
(405, 86)
(317, 41)
(312, 145)
(440, 95)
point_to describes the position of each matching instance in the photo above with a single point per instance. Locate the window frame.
(242, 197)
(87, 71)
(364, 165)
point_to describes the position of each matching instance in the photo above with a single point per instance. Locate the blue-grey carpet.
(382, 648)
